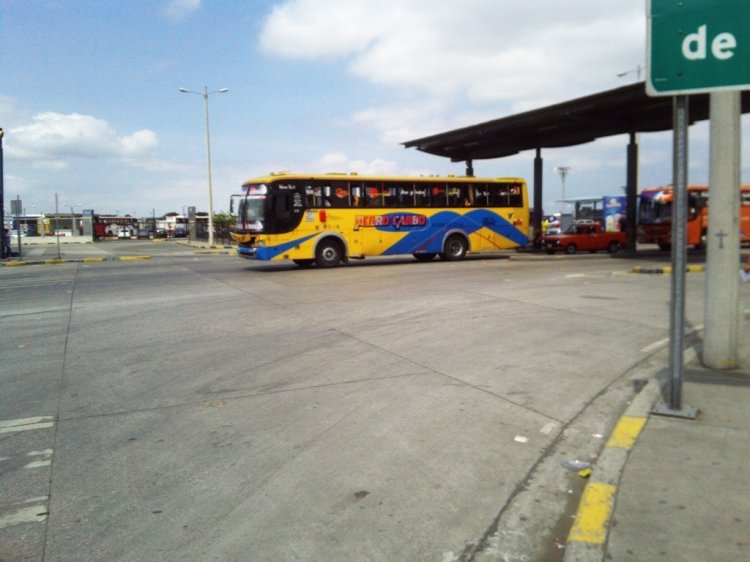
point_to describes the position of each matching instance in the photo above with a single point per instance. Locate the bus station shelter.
(625, 110)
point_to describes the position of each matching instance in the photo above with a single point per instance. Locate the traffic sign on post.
(697, 46)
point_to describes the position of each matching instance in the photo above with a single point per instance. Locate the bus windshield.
(250, 208)
(655, 211)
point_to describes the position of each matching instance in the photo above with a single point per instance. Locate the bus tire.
(426, 256)
(455, 248)
(613, 247)
(571, 249)
(329, 253)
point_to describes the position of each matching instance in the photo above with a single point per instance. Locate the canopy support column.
(631, 191)
(536, 218)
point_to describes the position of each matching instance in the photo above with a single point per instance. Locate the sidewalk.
(674, 489)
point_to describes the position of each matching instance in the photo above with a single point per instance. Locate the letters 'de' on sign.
(698, 46)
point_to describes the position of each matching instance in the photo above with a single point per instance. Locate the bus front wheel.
(455, 248)
(328, 253)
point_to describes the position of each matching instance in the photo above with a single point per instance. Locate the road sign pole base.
(686, 412)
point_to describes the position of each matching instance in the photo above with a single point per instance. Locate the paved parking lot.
(203, 407)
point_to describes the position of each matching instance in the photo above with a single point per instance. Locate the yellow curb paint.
(593, 514)
(15, 263)
(93, 260)
(696, 268)
(626, 432)
(135, 258)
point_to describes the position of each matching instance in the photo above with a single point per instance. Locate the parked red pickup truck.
(585, 237)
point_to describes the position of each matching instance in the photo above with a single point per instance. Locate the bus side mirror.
(231, 206)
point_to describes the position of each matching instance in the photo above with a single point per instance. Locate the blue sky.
(90, 105)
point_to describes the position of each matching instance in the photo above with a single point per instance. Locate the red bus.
(655, 216)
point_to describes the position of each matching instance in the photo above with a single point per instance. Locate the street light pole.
(563, 171)
(3, 246)
(205, 95)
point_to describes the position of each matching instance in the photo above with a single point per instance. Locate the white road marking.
(31, 514)
(24, 421)
(37, 500)
(15, 428)
(42, 453)
(38, 464)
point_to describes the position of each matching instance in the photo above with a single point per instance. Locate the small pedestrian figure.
(745, 271)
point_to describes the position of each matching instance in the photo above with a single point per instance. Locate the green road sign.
(698, 46)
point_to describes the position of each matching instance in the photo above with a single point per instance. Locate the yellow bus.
(327, 219)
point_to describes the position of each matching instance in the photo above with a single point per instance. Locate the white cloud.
(340, 162)
(483, 50)
(180, 9)
(53, 140)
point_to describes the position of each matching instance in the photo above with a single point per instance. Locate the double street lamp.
(205, 95)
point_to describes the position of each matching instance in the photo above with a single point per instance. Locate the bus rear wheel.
(455, 248)
(328, 253)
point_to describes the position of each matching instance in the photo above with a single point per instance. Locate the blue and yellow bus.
(327, 219)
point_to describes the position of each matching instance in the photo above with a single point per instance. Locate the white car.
(123, 233)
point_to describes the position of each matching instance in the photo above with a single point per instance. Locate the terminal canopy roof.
(623, 110)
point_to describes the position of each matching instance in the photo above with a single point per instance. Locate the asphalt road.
(203, 407)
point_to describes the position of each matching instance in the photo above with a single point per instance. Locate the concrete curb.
(589, 534)
(667, 269)
(76, 260)
(207, 246)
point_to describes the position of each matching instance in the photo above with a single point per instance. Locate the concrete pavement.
(669, 488)
(79, 250)
(666, 488)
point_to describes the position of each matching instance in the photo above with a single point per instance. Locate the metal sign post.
(693, 46)
(679, 265)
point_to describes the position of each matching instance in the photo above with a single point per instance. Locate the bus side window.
(457, 196)
(421, 195)
(389, 195)
(515, 196)
(313, 196)
(405, 195)
(373, 194)
(470, 200)
(339, 194)
(499, 195)
(438, 196)
(356, 191)
(482, 195)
